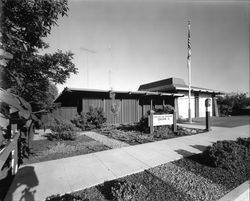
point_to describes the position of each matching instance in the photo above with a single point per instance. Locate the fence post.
(14, 152)
(14, 160)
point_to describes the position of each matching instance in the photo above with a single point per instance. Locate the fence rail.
(10, 148)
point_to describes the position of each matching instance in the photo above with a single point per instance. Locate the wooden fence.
(10, 148)
(15, 112)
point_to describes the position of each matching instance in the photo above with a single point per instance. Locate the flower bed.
(132, 135)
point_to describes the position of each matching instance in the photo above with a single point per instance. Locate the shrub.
(63, 130)
(125, 190)
(226, 154)
(244, 142)
(167, 109)
(162, 131)
(95, 116)
(142, 125)
(80, 121)
(92, 119)
(65, 197)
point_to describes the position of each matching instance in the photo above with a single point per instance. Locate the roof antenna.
(110, 84)
(87, 51)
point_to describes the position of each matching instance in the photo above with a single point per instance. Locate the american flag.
(189, 45)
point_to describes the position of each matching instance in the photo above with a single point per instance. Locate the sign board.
(162, 119)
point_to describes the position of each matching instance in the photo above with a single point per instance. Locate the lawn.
(187, 179)
(229, 122)
(45, 150)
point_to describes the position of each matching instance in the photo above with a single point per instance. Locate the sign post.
(174, 122)
(162, 119)
(151, 121)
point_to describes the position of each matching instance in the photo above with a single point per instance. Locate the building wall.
(202, 108)
(130, 107)
(183, 107)
(116, 111)
(129, 110)
(198, 108)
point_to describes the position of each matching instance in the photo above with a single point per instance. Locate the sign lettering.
(162, 119)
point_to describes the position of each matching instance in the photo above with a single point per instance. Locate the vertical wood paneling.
(67, 113)
(87, 103)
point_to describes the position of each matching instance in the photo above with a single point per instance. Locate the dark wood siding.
(130, 107)
(67, 113)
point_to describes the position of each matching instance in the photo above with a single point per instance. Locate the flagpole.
(189, 75)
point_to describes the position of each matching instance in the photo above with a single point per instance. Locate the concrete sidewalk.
(40, 180)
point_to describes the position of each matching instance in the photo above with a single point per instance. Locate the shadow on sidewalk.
(199, 147)
(25, 178)
(184, 152)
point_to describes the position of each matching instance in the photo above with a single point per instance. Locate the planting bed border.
(238, 194)
(110, 142)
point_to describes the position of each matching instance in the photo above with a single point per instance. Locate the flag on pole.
(189, 46)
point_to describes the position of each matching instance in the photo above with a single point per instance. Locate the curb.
(241, 193)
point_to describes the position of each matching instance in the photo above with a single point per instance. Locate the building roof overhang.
(97, 91)
(175, 85)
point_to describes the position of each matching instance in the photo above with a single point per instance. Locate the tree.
(233, 103)
(30, 75)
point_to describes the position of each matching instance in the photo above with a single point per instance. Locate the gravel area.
(112, 143)
(187, 179)
(195, 186)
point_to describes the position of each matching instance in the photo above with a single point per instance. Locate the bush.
(80, 121)
(65, 197)
(167, 109)
(125, 190)
(226, 154)
(142, 125)
(163, 131)
(95, 116)
(63, 130)
(92, 119)
(244, 142)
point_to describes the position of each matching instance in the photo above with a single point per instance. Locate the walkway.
(40, 180)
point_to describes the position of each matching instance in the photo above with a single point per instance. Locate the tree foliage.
(233, 103)
(29, 74)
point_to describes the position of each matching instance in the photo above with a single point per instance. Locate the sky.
(121, 44)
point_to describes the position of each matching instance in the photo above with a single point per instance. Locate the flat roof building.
(131, 106)
(178, 86)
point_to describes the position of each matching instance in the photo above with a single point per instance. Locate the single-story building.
(130, 106)
(118, 106)
(198, 96)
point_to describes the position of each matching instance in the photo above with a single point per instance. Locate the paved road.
(40, 180)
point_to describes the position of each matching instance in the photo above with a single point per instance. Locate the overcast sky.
(135, 42)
